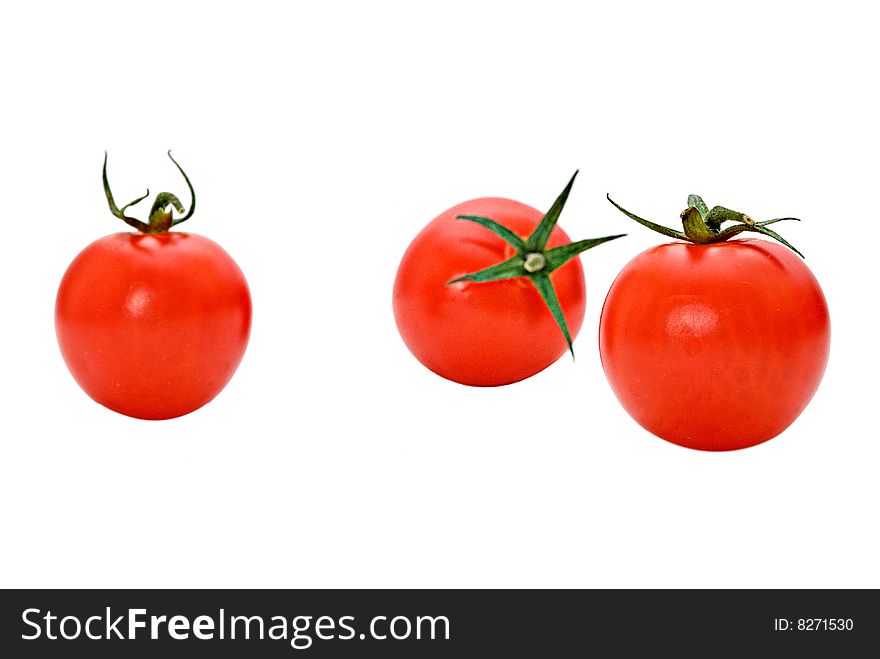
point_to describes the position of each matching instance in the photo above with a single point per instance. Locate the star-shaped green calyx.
(532, 259)
(161, 219)
(703, 226)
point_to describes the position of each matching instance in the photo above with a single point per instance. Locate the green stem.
(192, 193)
(161, 219)
(120, 212)
(703, 227)
(532, 258)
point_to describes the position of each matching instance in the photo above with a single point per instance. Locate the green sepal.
(135, 202)
(192, 193)
(559, 256)
(499, 230)
(512, 267)
(120, 212)
(719, 215)
(775, 220)
(538, 240)
(659, 228)
(696, 201)
(542, 282)
(760, 227)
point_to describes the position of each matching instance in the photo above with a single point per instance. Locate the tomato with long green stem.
(490, 291)
(715, 343)
(153, 323)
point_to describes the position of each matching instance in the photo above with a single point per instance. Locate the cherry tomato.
(715, 346)
(482, 333)
(153, 324)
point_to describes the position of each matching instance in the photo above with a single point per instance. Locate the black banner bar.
(434, 623)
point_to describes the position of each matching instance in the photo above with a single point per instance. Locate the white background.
(320, 138)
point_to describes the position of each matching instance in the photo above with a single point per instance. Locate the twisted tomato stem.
(703, 226)
(161, 219)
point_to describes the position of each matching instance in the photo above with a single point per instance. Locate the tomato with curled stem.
(153, 324)
(711, 343)
(489, 293)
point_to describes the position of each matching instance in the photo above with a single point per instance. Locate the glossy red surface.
(715, 347)
(153, 326)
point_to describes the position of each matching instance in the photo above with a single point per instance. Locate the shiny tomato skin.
(482, 334)
(153, 326)
(715, 347)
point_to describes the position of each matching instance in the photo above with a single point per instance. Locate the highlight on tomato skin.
(490, 292)
(716, 346)
(154, 323)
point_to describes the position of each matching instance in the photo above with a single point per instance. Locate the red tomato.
(153, 325)
(715, 347)
(489, 333)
